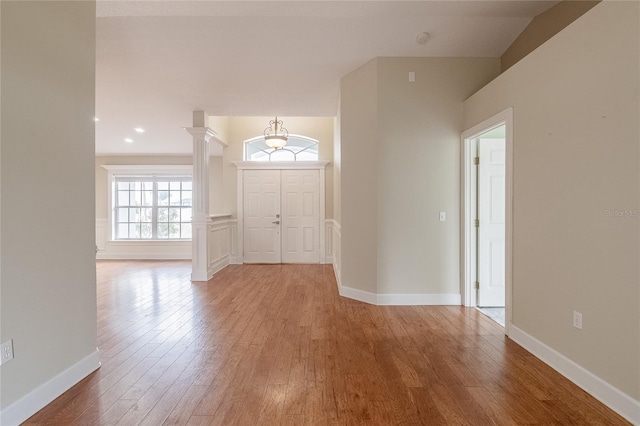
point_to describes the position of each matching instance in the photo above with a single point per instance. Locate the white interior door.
(300, 216)
(261, 216)
(491, 216)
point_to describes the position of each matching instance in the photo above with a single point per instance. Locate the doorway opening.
(486, 217)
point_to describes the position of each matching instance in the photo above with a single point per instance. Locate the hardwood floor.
(277, 345)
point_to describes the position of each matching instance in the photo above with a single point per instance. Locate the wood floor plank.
(277, 345)
(186, 405)
(199, 421)
(272, 404)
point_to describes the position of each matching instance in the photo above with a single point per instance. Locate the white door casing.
(300, 216)
(491, 216)
(261, 227)
(468, 236)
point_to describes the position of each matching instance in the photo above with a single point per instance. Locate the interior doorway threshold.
(496, 314)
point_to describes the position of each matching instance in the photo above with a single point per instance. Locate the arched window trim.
(313, 143)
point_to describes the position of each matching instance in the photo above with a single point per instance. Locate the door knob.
(277, 222)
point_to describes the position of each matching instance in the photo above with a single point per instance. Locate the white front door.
(290, 237)
(262, 216)
(491, 216)
(300, 216)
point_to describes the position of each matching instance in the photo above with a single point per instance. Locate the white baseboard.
(397, 299)
(336, 273)
(38, 398)
(610, 396)
(419, 299)
(360, 295)
(218, 266)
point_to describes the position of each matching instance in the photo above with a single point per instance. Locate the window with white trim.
(298, 148)
(150, 202)
(152, 208)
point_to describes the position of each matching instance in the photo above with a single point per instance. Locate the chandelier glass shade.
(276, 134)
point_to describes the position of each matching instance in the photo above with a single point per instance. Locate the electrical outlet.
(6, 351)
(577, 320)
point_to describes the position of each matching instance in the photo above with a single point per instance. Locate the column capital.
(206, 132)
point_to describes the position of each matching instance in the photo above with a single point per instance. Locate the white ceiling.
(157, 61)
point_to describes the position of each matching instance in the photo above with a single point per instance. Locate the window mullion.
(154, 211)
(116, 211)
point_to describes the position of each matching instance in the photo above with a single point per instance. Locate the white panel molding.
(321, 228)
(145, 250)
(609, 395)
(328, 233)
(38, 398)
(233, 242)
(102, 225)
(219, 250)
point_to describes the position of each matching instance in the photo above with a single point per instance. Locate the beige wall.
(216, 185)
(337, 170)
(575, 169)
(48, 258)
(358, 132)
(243, 128)
(400, 167)
(543, 27)
(221, 126)
(102, 181)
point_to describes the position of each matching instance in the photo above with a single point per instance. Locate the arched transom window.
(298, 148)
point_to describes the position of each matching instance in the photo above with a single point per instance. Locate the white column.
(200, 214)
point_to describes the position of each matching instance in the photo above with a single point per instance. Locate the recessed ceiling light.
(128, 140)
(96, 119)
(139, 129)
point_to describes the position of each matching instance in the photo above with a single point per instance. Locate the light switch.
(412, 77)
(443, 216)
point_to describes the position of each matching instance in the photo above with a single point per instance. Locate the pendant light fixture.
(276, 135)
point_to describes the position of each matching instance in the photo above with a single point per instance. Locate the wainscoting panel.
(137, 250)
(143, 250)
(101, 234)
(221, 232)
(222, 245)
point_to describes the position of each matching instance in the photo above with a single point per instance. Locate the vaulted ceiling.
(159, 60)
